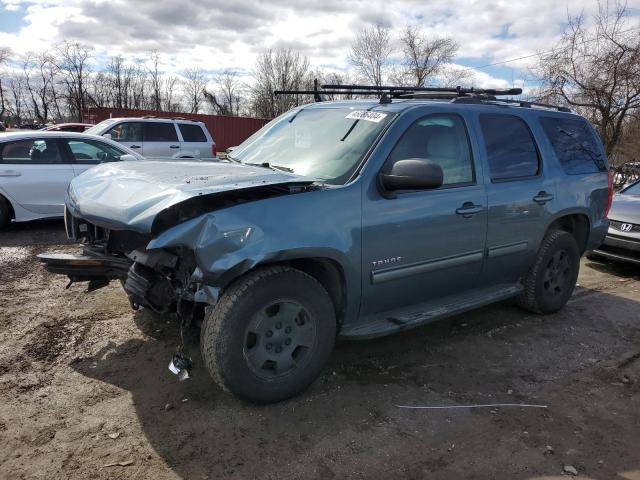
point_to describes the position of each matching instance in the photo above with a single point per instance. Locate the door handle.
(134, 146)
(542, 197)
(10, 173)
(174, 146)
(468, 209)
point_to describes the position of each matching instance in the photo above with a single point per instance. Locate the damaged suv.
(347, 219)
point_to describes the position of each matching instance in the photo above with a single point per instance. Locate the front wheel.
(552, 278)
(269, 335)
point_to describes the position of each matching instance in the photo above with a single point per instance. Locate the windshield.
(323, 143)
(96, 129)
(632, 190)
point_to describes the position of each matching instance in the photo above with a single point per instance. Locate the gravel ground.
(85, 391)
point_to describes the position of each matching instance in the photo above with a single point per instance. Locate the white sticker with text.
(367, 115)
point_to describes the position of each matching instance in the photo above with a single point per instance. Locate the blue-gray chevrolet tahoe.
(346, 219)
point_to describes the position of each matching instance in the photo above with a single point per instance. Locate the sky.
(216, 35)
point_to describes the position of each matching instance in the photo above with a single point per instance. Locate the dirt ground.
(85, 391)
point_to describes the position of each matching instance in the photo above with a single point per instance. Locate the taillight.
(214, 150)
(610, 194)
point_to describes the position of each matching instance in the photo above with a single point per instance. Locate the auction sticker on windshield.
(367, 115)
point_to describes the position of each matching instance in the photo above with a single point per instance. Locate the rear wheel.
(552, 278)
(269, 335)
(5, 212)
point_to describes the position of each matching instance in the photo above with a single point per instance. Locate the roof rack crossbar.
(458, 90)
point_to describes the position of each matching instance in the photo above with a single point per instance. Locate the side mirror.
(412, 174)
(127, 157)
(107, 135)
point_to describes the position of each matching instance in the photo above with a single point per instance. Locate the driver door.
(421, 246)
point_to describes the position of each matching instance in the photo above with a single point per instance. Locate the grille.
(615, 224)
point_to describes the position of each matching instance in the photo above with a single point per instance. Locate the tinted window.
(88, 152)
(574, 144)
(511, 150)
(31, 152)
(441, 138)
(192, 133)
(127, 132)
(160, 132)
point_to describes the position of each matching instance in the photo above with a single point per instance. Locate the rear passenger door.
(520, 196)
(160, 140)
(194, 141)
(35, 174)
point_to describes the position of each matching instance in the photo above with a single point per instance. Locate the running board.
(378, 325)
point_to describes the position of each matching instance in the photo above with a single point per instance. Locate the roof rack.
(454, 94)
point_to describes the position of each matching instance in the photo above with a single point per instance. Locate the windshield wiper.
(271, 166)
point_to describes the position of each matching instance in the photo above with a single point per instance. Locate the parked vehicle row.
(353, 219)
(36, 167)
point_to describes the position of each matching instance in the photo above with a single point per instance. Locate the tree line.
(594, 69)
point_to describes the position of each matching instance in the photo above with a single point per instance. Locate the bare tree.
(193, 86)
(226, 98)
(370, 53)
(170, 99)
(280, 69)
(424, 57)
(156, 81)
(5, 54)
(597, 70)
(73, 62)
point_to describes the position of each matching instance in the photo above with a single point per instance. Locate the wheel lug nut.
(287, 330)
(278, 349)
(269, 334)
(287, 341)
(278, 325)
(269, 346)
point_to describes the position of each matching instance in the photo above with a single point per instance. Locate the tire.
(5, 213)
(269, 335)
(552, 277)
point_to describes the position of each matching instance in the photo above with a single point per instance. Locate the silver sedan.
(36, 168)
(623, 238)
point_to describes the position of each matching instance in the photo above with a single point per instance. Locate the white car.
(36, 168)
(160, 138)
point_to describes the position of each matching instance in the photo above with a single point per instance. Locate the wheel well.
(331, 277)
(577, 225)
(12, 213)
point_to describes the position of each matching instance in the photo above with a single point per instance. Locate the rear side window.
(510, 147)
(160, 132)
(192, 133)
(31, 152)
(574, 144)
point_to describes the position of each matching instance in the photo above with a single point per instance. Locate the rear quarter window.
(192, 133)
(574, 144)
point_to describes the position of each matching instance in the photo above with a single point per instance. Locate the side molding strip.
(394, 273)
(507, 249)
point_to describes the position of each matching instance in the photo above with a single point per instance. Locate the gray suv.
(347, 219)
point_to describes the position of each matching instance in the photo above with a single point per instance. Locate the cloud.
(221, 34)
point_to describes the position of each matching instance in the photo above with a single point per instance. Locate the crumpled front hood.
(130, 194)
(625, 208)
